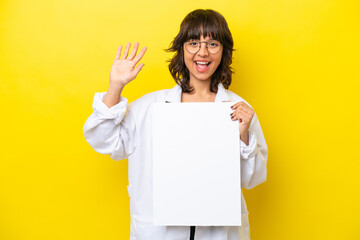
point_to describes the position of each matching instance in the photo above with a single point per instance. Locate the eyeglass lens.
(212, 46)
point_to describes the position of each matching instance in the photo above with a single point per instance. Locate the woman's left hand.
(244, 114)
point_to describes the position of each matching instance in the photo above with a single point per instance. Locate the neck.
(201, 92)
(201, 88)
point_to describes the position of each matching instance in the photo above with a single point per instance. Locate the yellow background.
(296, 62)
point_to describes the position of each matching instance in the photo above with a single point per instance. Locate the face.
(202, 64)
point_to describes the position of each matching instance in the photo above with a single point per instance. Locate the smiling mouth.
(200, 63)
(202, 66)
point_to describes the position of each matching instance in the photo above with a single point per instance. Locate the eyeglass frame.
(205, 45)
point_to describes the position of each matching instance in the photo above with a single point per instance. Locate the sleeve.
(111, 130)
(253, 157)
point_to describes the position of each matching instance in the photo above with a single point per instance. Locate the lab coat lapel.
(174, 94)
(222, 95)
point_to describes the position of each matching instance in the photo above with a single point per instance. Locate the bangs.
(202, 25)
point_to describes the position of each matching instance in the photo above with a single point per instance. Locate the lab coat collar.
(174, 94)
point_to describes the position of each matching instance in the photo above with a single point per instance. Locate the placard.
(196, 165)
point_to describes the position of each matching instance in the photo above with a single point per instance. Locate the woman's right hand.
(123, 69)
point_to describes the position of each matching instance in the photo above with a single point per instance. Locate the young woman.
(201, 68)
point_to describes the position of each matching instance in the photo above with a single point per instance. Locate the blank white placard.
(196, 165)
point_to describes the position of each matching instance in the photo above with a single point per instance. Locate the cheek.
(187, 60)
(217, 61)
(218, 56)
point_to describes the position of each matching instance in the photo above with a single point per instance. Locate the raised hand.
(122, 72)
(123, 69)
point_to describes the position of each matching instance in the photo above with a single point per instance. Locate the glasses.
(193, 46)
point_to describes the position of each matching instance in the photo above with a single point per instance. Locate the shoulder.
(236, 98)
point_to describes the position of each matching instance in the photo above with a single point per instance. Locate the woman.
(201, 68)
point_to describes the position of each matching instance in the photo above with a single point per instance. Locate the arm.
(253, 149)
(253, 157)
(110, 129)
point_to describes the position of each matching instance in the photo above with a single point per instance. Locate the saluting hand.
(122, 72)
(123, 69)
(244, 114)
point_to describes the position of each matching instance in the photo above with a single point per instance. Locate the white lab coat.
(128, 134)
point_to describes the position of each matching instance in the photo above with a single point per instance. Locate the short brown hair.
(205, 22)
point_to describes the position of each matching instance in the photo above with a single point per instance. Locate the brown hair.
(206, 23)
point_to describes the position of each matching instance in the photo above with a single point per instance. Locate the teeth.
(205, 63)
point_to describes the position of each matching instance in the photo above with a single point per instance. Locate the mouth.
(202, 66)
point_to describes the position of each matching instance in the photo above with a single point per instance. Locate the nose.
(203, 49)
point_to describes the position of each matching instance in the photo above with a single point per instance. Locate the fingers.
(118, 53)
(134, 51)
(241, 116)
(138, 68)
(132, 55)
(242, 112)
(140, 55)
(234, 116)
(243, 106)
(126, 51)
(236, 105)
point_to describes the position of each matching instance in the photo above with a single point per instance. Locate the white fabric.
(127, 134)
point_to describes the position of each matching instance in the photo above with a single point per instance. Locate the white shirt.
(125, 131)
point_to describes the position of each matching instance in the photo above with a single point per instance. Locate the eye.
(193, 43)
(214, 44)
